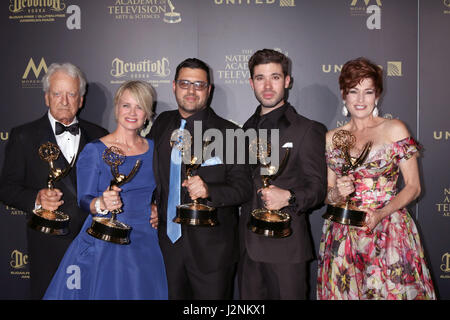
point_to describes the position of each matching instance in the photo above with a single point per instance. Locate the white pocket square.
(212, 162)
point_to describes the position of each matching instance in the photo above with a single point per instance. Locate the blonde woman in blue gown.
(96, 269)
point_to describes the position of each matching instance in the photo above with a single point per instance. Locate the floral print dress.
(389, 263)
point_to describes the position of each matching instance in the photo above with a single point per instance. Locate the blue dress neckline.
(136, 155)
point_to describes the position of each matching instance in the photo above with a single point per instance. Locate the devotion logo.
(18, 263)
(445, 266)
(153, 71)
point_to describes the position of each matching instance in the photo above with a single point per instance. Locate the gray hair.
(69, 69)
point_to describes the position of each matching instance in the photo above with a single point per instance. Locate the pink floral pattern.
(387, 264)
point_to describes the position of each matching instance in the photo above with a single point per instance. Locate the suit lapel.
(84, 138)
(284, 125)
(165, 137)
(47, 135)
(286, 136)
(70, 180)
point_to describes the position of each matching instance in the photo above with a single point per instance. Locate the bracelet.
(98, 209)
(330, 201)
(330, 198)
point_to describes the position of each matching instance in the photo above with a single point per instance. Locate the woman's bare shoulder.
(394, 130)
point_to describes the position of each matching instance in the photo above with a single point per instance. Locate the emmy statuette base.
(272, 224)
(345, 214)
(109, 230)
(50, 222)
(196, 214)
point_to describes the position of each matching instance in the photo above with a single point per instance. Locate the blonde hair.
(142, 91)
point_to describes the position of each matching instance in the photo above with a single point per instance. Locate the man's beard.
(193, 110)
(272, 105)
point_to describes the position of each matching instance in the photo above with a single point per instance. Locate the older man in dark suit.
(200, 260)
(276, 268)
(24, 175)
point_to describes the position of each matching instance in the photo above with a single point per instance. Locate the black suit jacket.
(24, 174)
(229, 186)
(305, 174)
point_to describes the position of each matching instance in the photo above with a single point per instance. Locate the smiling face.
(129, 113)
(268, 83)
(63, 97)
(361, 99)
(191, 100)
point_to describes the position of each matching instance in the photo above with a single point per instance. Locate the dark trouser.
(187, 282)
(272, 281)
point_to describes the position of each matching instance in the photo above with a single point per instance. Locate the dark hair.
(356, 70)
(265, 56)
(193, 63)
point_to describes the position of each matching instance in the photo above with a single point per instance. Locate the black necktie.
(73, 129)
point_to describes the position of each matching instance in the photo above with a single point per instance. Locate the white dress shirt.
(67, 142)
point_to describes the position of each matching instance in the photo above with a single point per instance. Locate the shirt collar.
(201, 115)
(271, 119)
(53, 121)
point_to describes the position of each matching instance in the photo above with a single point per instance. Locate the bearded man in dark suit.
(25, 174)
(276, 268)
(200, 260)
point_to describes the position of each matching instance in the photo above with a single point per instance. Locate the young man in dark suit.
(276, 268)
(24, 175)
(200, 260)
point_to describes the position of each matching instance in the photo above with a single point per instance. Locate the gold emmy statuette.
(269, 223)
(46, 221)
(172, 17)
(347, 213)
(109, 228)
(194, 213)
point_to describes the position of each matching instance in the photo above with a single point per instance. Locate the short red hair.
(356, 70)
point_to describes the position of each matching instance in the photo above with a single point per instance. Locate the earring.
(375, 110)
(344, 109)
(145, 128)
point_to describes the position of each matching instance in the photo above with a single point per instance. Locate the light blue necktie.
(173, 228)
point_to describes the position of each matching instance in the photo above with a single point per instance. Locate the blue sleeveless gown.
(96, 269)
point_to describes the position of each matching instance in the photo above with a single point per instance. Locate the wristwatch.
(98, 209)
(291, 199)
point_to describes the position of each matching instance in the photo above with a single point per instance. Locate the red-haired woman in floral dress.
(384, 259)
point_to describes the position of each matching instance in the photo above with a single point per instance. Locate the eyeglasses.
(198, 85)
